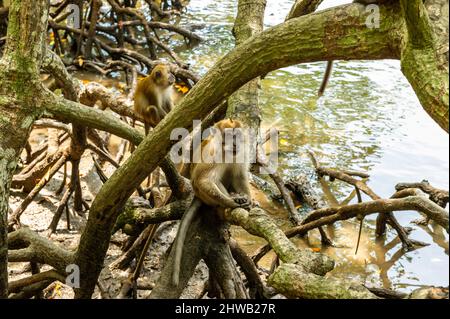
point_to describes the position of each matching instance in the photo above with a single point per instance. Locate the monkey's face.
(232, 137)
(162, 76)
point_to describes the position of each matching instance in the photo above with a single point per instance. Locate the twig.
(61, 206)
(102, 154)
(382, 219)
(15, 218)
(18, 285)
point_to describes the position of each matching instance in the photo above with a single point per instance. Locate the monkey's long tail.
(181, 236)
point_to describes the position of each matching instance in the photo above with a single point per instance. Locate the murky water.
(369, 119)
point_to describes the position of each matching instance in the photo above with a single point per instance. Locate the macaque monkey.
(153, 97)
(212, 182)
(216, 184)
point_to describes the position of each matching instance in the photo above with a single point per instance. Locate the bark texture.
(244, 103)
(410, 31)
(269, 50)
(20, 100)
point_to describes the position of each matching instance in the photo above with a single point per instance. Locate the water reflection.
(369, 119)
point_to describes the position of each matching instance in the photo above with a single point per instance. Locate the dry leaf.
(56, 291)
(182, 88)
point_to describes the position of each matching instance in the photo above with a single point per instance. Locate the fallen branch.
(360, 185)
(330, 215)
(15, 217)
(27, 246)
(439, 196)
(51, 275)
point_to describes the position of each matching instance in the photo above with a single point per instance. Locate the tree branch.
(269, 50)
(68, 111)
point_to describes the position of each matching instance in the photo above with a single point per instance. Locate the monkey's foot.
(241, 200)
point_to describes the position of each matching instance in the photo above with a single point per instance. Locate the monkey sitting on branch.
(154, 96)
(220, 179)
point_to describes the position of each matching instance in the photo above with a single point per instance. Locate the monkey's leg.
(147, 128)
(155, 115)
(223, 190)
(162, 114)
(167, 107)
(241, 184)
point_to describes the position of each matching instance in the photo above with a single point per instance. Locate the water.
(369, 119)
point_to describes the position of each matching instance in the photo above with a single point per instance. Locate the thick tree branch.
(270, 50)
(27, 246)
(291, 281)
(422, 63)
(258, 223)
(68, 111)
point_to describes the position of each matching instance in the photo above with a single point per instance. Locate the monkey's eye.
(158, 74)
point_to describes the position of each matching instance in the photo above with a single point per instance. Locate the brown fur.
(153, 97)
(214, 182)
(219, 185)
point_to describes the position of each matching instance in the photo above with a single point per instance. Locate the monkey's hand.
(242, 200)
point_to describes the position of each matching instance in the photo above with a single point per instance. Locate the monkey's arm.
(241, 188)
(168, 105)
(211, 193)
(241, 184)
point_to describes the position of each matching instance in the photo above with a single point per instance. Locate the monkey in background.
(153, 97)
(218, 185)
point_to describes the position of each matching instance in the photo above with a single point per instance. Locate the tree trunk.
(424, 57)
(337, 34)
(244, 104)
(268, 51)
(20, 102)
